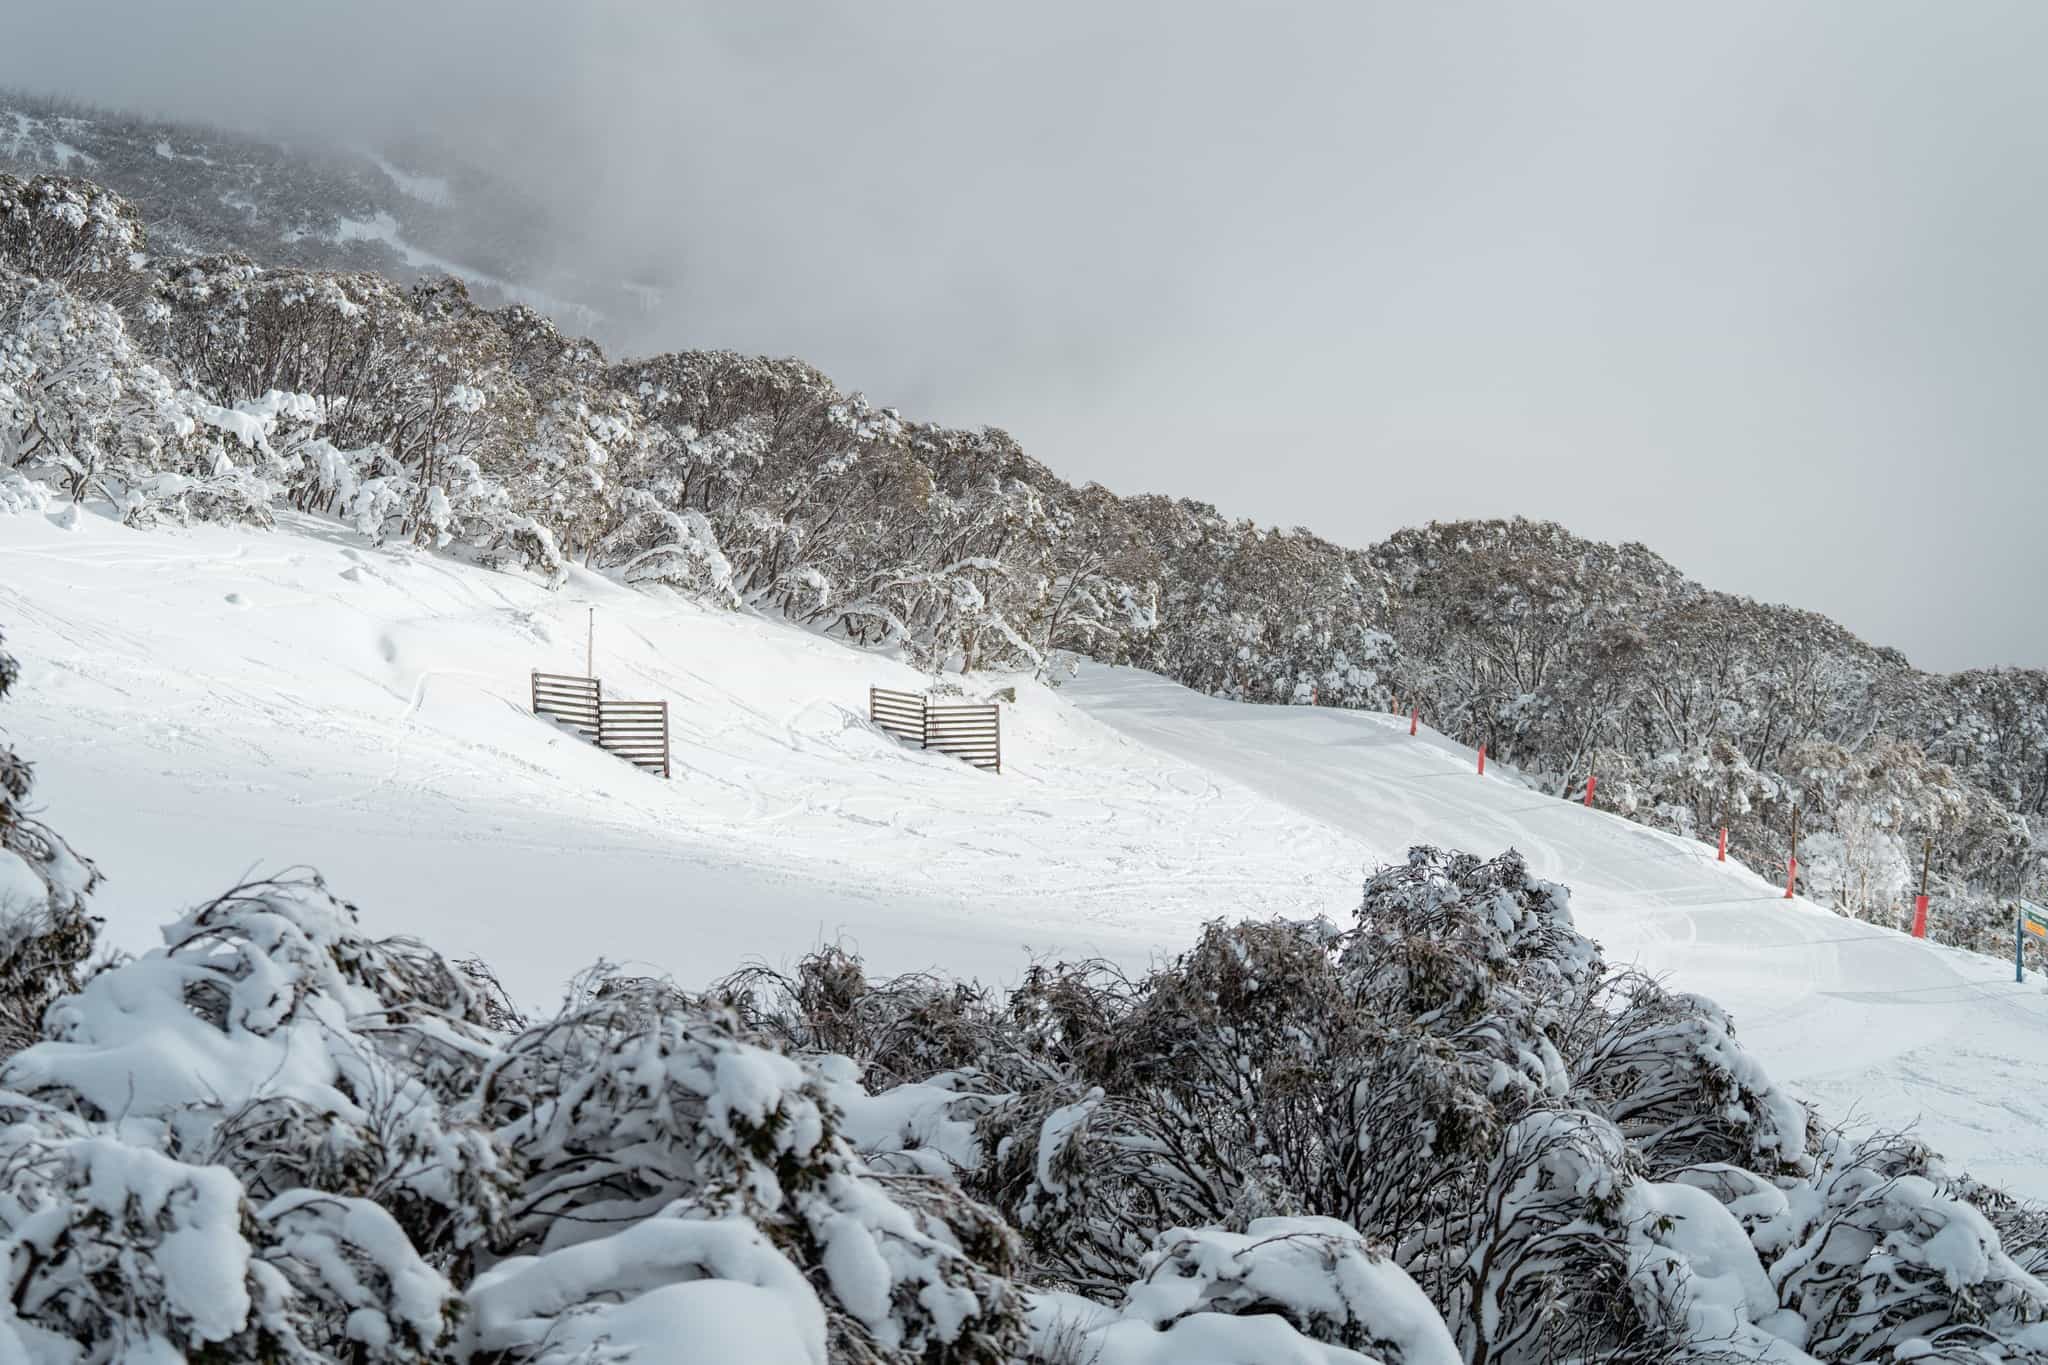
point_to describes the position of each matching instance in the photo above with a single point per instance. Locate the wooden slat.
(968, 731)
(897, 714)
(634, 731)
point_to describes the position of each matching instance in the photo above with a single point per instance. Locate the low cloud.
(1760, 286)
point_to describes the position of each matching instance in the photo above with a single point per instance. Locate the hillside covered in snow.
(369, 1016)
(209, 388)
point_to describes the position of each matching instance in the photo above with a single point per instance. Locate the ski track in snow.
(208, 701)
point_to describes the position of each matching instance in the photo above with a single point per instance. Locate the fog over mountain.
(1758, 286)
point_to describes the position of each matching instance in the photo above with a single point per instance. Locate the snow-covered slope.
(205, 700)
(1872, 1024)
(208, 702)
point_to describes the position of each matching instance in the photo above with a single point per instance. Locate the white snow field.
(208, 704)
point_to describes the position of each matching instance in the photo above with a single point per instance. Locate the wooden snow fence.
(636, 731)
(969, 731)
(899, 713)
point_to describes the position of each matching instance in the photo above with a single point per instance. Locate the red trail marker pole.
(1722, 856)
(1920, 901)
(1792, 863)
(1413, 719)
(1591, 782)
(1482, 760)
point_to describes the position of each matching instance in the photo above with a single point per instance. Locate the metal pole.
(2019, 944)
(590, 645)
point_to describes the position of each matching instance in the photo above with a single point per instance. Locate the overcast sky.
(1764, 286)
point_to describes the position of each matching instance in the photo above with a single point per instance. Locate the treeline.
(213, 387)
(1699, 710)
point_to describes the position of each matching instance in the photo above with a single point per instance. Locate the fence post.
(1482, 760)
(1592, 781)
(1920, 901)
(664, 738)
(1722, 856)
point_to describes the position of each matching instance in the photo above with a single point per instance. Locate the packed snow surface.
(208, 703)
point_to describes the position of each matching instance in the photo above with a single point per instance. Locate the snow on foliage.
(1445, 1133)
(45, 934)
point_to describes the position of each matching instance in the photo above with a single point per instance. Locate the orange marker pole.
(1591, 782)
(1482, 760)
(1413, 720)
(1920, 901)
(1792, 863)
(1722, 856)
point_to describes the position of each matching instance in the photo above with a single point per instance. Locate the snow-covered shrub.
(80, 403)
(676, 549)
(270, 1037)
(68, 230)
(119, 1252)
(909, 1028)
(1881, 1260)
(45, 934)
(1317, 1274)
(638, 1104)
(20, 495)
(1667, 1069)
(1569, 1163)
(1568, 1252)
(715, 1287)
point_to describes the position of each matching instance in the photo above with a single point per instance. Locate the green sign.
(2033, 920)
